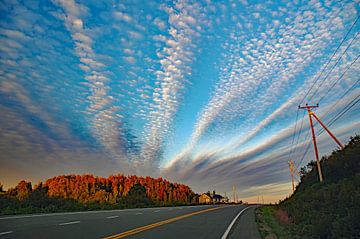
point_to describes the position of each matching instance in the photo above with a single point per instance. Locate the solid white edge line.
(226, 234)
(4, 233)
(68, 223)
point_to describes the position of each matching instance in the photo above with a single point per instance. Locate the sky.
(199, 92)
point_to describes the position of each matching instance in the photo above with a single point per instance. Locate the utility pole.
(292, 170)
(234, 189)
(312, 114)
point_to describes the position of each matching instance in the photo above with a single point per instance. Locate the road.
(210, 221)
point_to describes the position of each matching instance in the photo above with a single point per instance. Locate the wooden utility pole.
(234, 189)
(312, 114)
(292, 170)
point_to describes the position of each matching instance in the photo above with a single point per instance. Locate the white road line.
(226, 234)
(157, 211)
(111, 217)
(87, 212)
(139, 213)
(4, 233)
(68, 223)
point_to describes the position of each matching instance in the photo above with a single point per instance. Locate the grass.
(273, 223)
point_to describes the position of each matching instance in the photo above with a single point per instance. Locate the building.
(205, 198)
(225, 200)
(212, 197)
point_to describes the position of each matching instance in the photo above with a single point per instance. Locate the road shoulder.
(246, 227)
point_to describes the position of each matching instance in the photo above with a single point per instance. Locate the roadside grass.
(273, 223)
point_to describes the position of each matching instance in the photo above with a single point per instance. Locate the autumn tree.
(23, 190)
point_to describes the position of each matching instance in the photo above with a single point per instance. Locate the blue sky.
(200, 92)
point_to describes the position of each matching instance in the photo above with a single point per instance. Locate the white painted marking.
(139, 213)
(87, 212)
(157, 211)
(111, 217)
(68, 223)
(226, 234)
(4, 233)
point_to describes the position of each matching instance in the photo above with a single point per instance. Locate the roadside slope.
(325, 210)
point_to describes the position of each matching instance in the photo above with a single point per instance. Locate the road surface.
(210, 221)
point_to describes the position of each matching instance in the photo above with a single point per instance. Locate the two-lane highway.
(166, 222)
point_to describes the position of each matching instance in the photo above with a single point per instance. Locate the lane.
(90, 224)
(210, 221)
(207, 225)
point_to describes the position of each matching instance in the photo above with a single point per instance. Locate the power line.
(342, 41)
(304, 154)
(333, 106)
(333, 67)
(292, 142)
(343, 111)
(299, 133)
(342, 75)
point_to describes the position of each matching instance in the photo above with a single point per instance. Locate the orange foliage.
(88, 188)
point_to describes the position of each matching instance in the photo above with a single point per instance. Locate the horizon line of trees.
(89, 192)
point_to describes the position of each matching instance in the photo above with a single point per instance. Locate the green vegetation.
(268, 224)
(330, 209)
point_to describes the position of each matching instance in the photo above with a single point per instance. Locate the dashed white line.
(226, 234)
(68, 223)
(85, 212)
(4, 233)
(157, 211)
(139, 213)
(111, 217)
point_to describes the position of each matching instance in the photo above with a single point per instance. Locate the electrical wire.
(333, 67)
(328, 62)
(342, 75)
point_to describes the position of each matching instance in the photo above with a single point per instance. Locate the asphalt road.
(172, 222)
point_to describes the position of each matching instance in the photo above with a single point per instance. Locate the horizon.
(196, 92)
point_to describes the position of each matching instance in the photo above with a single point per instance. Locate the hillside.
(87, 192)
(325, 210)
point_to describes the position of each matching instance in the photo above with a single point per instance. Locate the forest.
(330, 209)
(87, 192)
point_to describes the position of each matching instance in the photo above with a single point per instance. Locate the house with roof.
(205, 198)
(210, 197)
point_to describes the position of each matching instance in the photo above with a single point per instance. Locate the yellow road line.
(157, 224)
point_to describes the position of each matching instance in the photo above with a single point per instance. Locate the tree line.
(88, 192)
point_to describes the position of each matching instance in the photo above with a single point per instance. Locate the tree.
(23, 190)
(137, 196)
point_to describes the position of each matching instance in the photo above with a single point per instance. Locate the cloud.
(104, 124)
(253, 68)
(122, 16)
(159, 23)
(256, 74)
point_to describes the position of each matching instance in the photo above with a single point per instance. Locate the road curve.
(209, 221)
